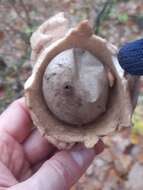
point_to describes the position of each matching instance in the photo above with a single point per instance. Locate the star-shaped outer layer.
(121, 101)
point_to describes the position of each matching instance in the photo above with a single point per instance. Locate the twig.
(17, 11)
(103, 14)
(26, 20)
(29, 22)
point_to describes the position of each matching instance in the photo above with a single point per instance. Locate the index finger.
(16, 121)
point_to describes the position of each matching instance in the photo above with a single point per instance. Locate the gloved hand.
(130, 57)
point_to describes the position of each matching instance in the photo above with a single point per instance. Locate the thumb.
(62, 170)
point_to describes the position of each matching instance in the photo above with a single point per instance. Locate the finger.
(16, 120)
(37, 166)
(36, 147)
(61, 171)
(6, 177)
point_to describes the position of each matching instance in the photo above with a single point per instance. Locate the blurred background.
(120, 166)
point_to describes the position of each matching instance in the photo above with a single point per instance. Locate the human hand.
(28, 161)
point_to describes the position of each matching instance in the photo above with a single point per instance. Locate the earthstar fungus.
(77, 91)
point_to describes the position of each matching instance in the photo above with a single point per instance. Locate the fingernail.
(82, 155)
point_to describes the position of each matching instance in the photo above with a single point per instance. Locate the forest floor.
(120, 166)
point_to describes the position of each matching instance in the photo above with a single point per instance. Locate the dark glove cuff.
(130, 57)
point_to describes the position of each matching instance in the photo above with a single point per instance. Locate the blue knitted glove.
(130, 57)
